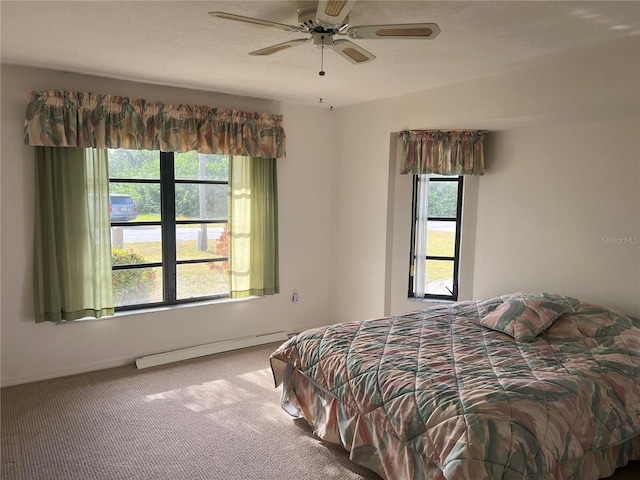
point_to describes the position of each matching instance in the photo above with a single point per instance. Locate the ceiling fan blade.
(279, 47)
(420, 31)
(352, 52)
(255, 21)
(332, 13)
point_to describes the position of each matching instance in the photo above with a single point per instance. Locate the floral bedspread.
(452, 399)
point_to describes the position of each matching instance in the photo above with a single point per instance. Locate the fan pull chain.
(321, 72)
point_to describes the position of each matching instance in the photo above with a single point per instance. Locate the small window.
(169, 227)
(435, 237)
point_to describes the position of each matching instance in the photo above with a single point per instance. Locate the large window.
(169, 231)
(435, 237)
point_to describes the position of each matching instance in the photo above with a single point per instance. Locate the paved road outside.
(152, 234)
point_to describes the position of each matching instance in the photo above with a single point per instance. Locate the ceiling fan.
(328, 19)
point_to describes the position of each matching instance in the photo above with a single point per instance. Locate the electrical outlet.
(295, 298)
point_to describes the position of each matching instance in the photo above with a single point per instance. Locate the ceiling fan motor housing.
(322, 39)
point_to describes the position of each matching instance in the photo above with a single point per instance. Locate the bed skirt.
(385, 454)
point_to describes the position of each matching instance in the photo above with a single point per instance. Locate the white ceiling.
(177, 43)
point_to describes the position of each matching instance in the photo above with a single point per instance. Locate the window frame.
(459, 179)
(168, 223)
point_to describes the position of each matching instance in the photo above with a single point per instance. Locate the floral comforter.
(433, 394)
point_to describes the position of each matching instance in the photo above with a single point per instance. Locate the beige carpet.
(216, 417)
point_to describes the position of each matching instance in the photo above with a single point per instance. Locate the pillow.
(553, 297)
(526, 317)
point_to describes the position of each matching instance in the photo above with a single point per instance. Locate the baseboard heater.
(209, 349)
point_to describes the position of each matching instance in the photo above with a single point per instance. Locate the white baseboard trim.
(217, 347)
(209, 349)
(89, 367)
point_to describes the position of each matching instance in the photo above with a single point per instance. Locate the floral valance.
(72, 119)
(442, 152)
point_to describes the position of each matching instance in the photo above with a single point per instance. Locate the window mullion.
(456, 262)
(167, 195)
(414, 220)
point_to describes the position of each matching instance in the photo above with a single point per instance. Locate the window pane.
(443, 199)
(202, 241)
(439, 279)
(137, 285)
(194, 202)
(200, 166)
(202, 279)
(143, 164)
(134, 245)
(441, 238)
(134, 202)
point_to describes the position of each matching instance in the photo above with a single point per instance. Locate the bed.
(520, 386)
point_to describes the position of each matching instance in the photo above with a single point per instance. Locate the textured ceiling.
(177, 43)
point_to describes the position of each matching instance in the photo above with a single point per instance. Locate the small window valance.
(85, 120)
(458, 152)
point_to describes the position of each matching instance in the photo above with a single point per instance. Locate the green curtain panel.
(72, 265)
(442, 152)
(77, 119)
(253, 227)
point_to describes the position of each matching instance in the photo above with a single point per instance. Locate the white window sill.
(162, 308)
(429, 300)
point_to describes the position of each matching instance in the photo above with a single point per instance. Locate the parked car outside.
(122, 208)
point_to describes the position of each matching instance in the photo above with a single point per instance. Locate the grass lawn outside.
(439, 243)
(147, 217)
(197, 280)
(193, 280)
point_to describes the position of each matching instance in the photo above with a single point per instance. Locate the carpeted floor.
(216, 417)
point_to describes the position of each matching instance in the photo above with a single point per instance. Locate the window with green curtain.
(73, 247)
(73, 274)
(72, 261)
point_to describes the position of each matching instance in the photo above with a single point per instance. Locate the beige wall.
(30, 351)
(360, 187)
(563, 173)
(557, 210)
(593, 84)
(550, 208)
